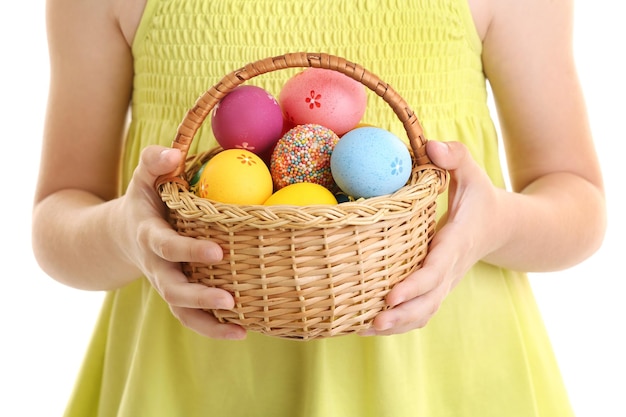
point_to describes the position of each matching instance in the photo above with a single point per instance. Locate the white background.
(45, 326)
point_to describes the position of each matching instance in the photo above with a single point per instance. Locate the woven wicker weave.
(315, 271)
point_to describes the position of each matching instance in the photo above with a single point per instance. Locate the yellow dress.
(485, 353)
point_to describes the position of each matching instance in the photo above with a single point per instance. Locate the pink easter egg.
(325, 97)
(249, 118)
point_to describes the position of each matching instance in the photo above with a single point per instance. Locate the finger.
(177, 291)
(415, 285)
(205, 324)
(169, 245)
(413, 314)
(440, 263)
(176, 248)
(417, 298)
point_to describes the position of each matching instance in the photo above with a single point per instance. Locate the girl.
(465, 337)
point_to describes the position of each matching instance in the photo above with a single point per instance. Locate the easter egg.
(303, 155)
(369, 162)
(342, 197)
(325, 97)
(235, 176)
(195, 179)
(248, 118)
(301, 194)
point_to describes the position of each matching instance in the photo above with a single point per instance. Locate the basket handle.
(205, 103)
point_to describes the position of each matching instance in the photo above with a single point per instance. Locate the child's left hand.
(465, 235)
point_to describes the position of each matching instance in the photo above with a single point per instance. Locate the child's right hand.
(158, 250)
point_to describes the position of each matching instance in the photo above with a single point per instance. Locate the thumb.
(450, 156)
(156, 161)
(455, 158)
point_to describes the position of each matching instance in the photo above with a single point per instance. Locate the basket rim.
(421, 191)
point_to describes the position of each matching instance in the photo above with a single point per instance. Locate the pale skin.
(87, 236)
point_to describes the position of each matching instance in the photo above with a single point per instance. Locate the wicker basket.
(315, 271)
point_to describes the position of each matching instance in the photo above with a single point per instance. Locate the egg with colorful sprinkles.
(303, 155)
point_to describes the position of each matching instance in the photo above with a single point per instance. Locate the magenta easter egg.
(247, 118)
(325, 97)
(303, 155)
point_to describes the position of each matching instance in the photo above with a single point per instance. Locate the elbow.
(598, 226)
(41, 244)
(593, 231)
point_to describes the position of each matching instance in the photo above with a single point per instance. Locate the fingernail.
(168, 153)
(395, 297)
(395, 301)
(369, 332)
(385, 325)
(440, 145)
(235, 335)
(213, 254)
(224, 304)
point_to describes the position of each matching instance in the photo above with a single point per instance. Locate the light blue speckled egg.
(369, 162)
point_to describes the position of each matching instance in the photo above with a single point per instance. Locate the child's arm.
(83, 234)
(555, 217)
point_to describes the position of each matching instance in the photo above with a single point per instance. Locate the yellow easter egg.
(235, 176)
(301, 194)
